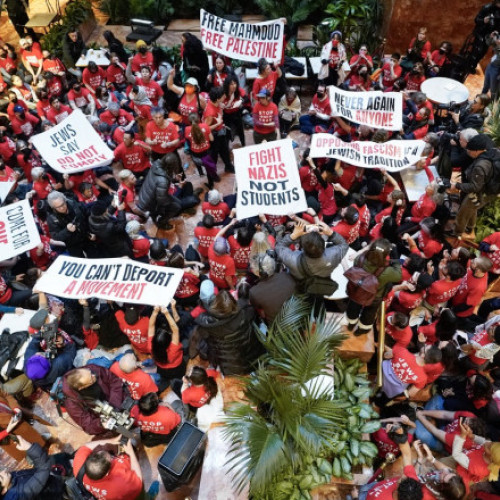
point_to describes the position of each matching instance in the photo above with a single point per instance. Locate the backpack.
(75, 490)
(362, 286)
(315, 285)
(493, 184)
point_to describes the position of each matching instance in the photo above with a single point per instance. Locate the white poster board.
(121, 280)
(415, 181)
(243, 41)
(5, 188)
(18, 231)
(268, 180)
(73, 145)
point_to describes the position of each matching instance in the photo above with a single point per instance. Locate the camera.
(49, 336)
(443, 185)
(454, 107)
(113, 419)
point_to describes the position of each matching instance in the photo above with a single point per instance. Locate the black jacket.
(232, 343)
(57, 226)
(478, 174)
(154, 194)
(73, 50)
(112, 238)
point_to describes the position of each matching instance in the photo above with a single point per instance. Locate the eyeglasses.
(59, 206)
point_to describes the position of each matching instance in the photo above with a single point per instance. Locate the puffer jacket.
(154, 195)
(232, 344)
(111, 235)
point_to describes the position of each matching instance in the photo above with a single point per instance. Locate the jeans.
(436, 403)
(490, 79)
(308, 123)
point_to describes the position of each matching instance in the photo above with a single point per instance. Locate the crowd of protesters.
(442, 338)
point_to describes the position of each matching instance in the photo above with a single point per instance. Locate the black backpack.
(492, 186)
(75, 490)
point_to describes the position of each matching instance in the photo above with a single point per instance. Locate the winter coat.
(72, 50)
(28, 484)
(232, 343)
(57, 226)
(325, 56)
(81, 411)
(111, 235)
(10, 345)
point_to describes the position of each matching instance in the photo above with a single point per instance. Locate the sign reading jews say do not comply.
(18, 232)
(375, 109)
(73, 145)
(268, 180)
(244, 41)
(120, 280)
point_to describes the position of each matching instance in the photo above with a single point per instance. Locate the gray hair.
(263, 265)
(37, 172)
(54, 196)
(468, 133)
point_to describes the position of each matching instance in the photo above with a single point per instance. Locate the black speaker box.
(182, 457)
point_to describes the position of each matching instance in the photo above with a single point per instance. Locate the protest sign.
(244, 41)
(73, 145)
(375, 109)
(5, 188)
(268, 180)
(391, 155)
(18, 232)
(121, 280)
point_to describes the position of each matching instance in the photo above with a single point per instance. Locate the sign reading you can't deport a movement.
(244, 41)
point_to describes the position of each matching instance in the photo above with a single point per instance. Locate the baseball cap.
(37, 367)
(192, 81)
(140, 43)
(264, 93)
(479, 142)
(18, 109)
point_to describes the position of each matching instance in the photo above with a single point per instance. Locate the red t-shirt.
(321, 106)
(138, 382)
(140, 61)
(152, 89)
(134, 157)
(492, 239)
(384, 490)
(364, 220)
(188, 286)
(470, 292)
(137, 334)
(25, 126)
(174, 356)
(429, 331)
(205, 238)
(140, 247)
(308, 180)
(126, 195)
(167, 134)
(422, 208)
(33, 56)
(406, 368)
(163, 421)
(442, 291)
(116, 74)
(213, 111)
(349, 232)
(219, 212)
(8, 64)
(426, 47)
(385, 444)
(122, 119)
(205, 145)
(43, 261)
(43, 107)
(401, 336)
(269, 83)
(229, 104)
(81, 98)
(326, 198)
(453, 429)
(428, 246)
(94, 80)
(241, 255)
(265, 114)
(86, 176)
(186, 107)
(44, 187)
(120, 483)
(58, 116)
(414, 82)
(220, 267)
(387, 80)
(7, 148)
(53, 65)
(482, 338)
(477, 471)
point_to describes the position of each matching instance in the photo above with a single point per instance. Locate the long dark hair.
(446, 325)
(192, 44)
(199, 377)
(196, 132)
(161, 341)
(227, 82)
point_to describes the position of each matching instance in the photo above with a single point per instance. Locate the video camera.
(113, 419)
(443, 185)
(49, 336)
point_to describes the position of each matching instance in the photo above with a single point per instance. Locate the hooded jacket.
(111, 234)
(81, 411)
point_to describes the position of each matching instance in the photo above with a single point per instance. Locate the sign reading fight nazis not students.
(375, 109)
(244, 41)
(18, 232)
(268, 180)
(120, 280)
(391, 155)
(73, 145)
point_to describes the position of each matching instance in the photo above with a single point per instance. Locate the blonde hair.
(494, 466)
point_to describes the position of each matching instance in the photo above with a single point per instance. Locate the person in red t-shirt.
(439, 60)
(420, 48)
(133, 154)
(216, 207)
(391, 71)
(31, 56)
(266, 79)
(81, 98)
(415, 78)
(483, 345)
(447, 286)
(43, 255)
(7, 147)
(265, 118)
(398, 329)
(115, 73)
(199, 138)
(430, 239)
(152, 89)
(109, 477)
(319, 114)
(138, 382)
(135, 327)
(140, 244)
(326, 192)
(205, 233)
(93, 76)
(24, 124)
(161, 135)
(198, 388)
(127, 195)
(165, 346)
(115, 115)
(222, 266)
(158, 423)
(142, 58)
(58, 112)
(348, 226)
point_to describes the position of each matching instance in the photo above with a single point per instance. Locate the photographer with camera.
(83, 387)
(471, 114)
(49, 355)
(493, 68)
(480, 186)
(108, 473)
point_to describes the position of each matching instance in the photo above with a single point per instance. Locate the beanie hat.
(480, 142)
(132, 227)
(37, 367)
(131, 315)
(99, 208)
(38, 319)
(207, 290)
(140, 43)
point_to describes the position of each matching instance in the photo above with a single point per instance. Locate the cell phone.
(17, 416)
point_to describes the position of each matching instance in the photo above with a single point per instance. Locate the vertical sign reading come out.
(268, 180)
